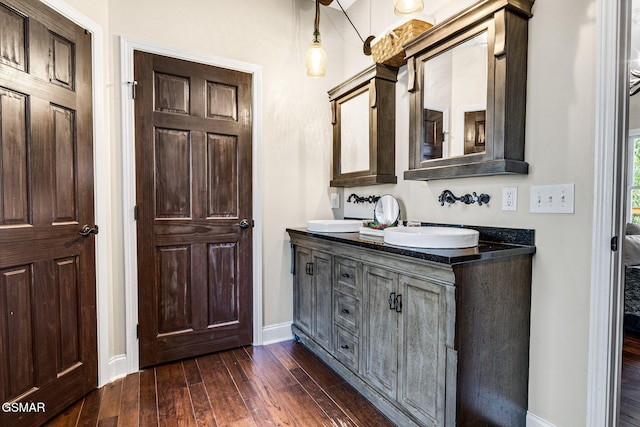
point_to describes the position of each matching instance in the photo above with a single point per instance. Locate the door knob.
(87, 229)
(245, 223)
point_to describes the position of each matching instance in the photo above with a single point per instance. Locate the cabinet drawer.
(347, 348)
(347, 312)
(346, 272)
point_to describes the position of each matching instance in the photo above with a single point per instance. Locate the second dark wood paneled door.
(194, 227)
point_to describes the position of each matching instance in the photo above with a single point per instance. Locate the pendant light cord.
(349, 19)
(316, 28)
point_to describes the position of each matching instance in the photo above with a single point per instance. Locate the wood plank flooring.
(630, 388)
(281, 384)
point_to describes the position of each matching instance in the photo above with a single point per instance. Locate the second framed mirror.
(363, 117)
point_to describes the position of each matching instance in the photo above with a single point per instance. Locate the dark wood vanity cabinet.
(429, 343)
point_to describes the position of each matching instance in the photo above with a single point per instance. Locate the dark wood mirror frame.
(380, 81)
(506, 23)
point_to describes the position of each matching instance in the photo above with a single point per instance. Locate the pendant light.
(407, 7)
(316, 56)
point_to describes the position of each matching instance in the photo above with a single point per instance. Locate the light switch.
(552, 199)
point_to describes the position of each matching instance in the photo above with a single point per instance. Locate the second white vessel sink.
(334, 225)
(432, 237)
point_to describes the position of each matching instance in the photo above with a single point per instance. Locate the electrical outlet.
(509, 198)
(335, 201)
(552, 199)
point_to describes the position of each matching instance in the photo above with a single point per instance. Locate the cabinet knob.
(344, 311)
(344, 346)
(345, 275)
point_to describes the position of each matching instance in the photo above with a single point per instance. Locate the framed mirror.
(467, 84)
(363, 118)
(354, 134)
(387, 211)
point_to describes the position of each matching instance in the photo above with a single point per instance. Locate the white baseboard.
(276, 333)
(535, 421)
(116, 369)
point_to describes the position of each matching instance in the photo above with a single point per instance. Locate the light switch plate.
(552, 199)
(335, 201)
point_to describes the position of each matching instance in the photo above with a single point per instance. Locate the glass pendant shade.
(316, 59)
(407, 7)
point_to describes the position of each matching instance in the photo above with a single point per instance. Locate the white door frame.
(605, 336)
(127, 47)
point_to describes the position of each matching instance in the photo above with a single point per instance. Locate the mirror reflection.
(386, 211)
(354, 134)
(455, 100)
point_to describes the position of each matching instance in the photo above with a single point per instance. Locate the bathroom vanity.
(431, 337)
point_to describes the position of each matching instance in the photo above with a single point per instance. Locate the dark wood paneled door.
(194, 227)
(48, 350)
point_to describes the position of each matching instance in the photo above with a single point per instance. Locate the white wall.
(297, 152)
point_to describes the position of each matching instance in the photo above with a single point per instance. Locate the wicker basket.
(388, 50)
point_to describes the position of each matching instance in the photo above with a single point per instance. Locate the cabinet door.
(303, 290)
(380, 330)
(422, 364)
(322, 305)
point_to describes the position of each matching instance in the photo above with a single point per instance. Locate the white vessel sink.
(334, 225)
(432, 237)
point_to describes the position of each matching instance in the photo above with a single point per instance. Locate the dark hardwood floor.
(630, 390)
(276, 385)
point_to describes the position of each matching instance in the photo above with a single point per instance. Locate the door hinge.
(135, 213)
(138, 331)
(614, 243)
(133, 88)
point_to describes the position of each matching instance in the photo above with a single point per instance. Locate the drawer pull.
(344, 311)
(345, 275)
(344, 346)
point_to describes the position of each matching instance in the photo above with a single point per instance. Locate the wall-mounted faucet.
(367, 199)
(448, 197)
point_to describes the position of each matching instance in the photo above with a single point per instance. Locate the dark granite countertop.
(494, 243)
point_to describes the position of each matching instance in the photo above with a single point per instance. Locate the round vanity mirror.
(387, 211)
